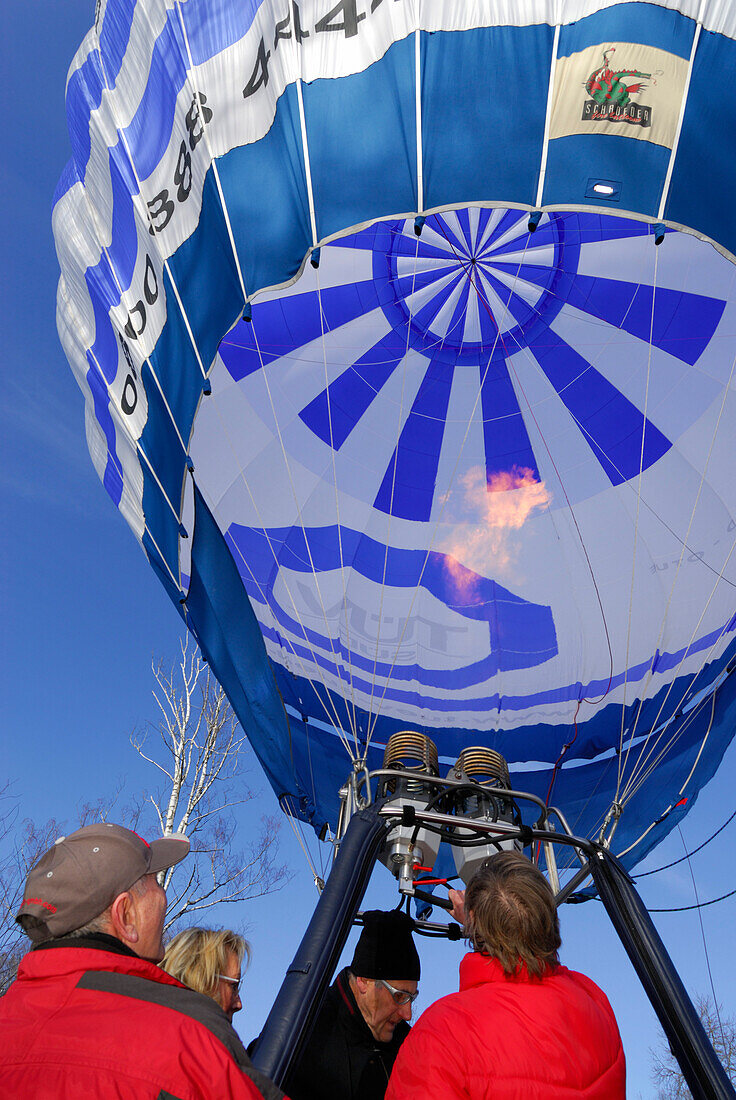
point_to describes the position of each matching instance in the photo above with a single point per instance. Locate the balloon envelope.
(402, 457)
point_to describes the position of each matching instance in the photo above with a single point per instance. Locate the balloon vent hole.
(207, 387)
(534, 219)
(659, 232)
(190, 464)
(247, 312)
(604, 189)
(418, 225)
(314, 259)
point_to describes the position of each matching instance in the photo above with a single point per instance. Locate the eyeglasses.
(401, 996)
(233, 981)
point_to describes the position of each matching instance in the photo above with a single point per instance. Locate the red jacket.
(94, 1021)
(499, 1038)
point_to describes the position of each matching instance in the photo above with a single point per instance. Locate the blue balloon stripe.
(113, 476)
(408, 486)
(521, 634)
(493, 701)
(424, 317)
(442, 227)
(592, 229)
(467, 677)
(333, 414)
(115, 35)
(457, 321)
(67, 179)
(400, 244)
(406, 285)
(149, 132)
(83, 96)
(683, 325)
(283, 325)
(612, 425)
(506, 222)
(104, 351)
(505, 437)
(464, 222)
(212, 26)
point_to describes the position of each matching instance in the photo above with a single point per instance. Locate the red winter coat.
(499, 1038)
(82, 1023)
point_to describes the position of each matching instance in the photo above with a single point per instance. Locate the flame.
(491, 509)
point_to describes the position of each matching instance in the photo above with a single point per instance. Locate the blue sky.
(84, 615)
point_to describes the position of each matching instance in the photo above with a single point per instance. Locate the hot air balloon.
(406, 336)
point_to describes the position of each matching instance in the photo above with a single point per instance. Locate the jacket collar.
(477, 969)
(97, 941)
(347, 1005)
(79, 956)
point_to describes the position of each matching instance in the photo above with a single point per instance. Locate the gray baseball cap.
(82, 874)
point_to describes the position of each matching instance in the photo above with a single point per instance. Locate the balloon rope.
(302, 845)
(684, 547)
(213, 162)
(622, 764)
(644, 767)
(679, 733)
(332, 717)
(339, 665)
(683, 729)
(139, 447)
(694, 852)
(702, 933)
(700, 905)
(682, 661)
(136, 200)
(394, 465)
(337, 516)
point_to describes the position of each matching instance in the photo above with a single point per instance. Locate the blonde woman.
(210, 961)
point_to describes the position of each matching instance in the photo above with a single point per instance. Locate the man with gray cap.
(91, 1014)
(364, 1017)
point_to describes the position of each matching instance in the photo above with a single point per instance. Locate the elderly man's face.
(151, 908)
(378, 1005)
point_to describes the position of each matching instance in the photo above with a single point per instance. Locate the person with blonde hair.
(522, 1025)
(210, 961)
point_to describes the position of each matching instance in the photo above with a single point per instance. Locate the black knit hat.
(386, 948)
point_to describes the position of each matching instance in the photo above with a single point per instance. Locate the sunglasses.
(400, 996)
(233, 981)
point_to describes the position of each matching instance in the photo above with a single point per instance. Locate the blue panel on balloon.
(483, 114)
(265, 193)
(362, 142)
(702, 189)
(573, 161)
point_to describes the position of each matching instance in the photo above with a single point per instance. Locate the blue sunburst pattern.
(473, 296)
(476, 339)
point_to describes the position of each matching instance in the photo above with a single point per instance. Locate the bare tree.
(721, 1030)
(199, 751)
(23, 844)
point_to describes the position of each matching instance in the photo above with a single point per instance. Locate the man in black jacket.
(364, 1017)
